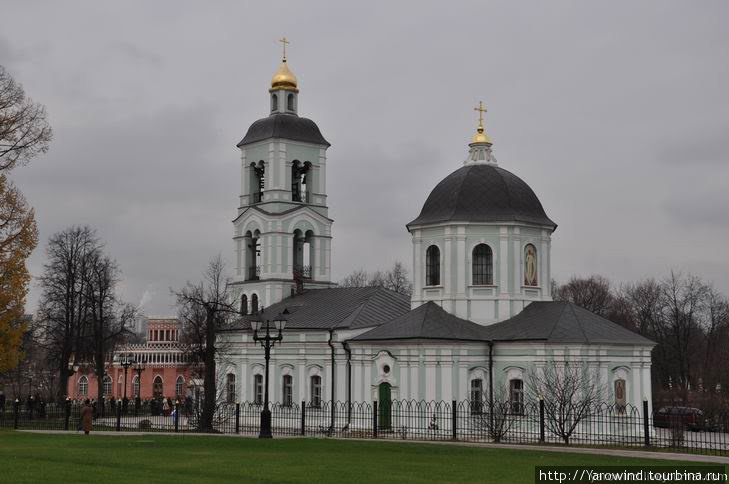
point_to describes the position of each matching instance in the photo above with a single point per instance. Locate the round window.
(386, 369)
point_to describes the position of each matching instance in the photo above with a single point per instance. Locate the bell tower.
(282, 233)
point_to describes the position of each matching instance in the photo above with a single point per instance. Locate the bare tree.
(358, 278)
(499, 416)
(109, 318)
(80, 318)
(593, 293)
(204, 310)
(24, 130)
(63, 308)
(570, 392)
(683, 301)
(396, 279)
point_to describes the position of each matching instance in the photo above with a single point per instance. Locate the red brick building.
(160, 367)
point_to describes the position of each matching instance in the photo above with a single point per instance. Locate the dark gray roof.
(482, 193)
(562, 322)
(428, 321)
(353, 307)
(289, 126)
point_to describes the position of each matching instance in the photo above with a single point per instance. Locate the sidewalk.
(641, 454)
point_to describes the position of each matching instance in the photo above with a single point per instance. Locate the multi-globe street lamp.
(126, 360)
(260, 322)
(139, 368)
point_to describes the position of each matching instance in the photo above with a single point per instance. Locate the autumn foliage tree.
(24, 133)
(18, 238)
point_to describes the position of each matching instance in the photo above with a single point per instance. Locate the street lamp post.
(139, 368)
(126, 361)
(267, 342)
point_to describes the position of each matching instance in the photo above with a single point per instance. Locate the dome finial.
(284, 78)
(480, 136)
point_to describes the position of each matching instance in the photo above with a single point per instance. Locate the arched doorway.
(157, 387)
(385, 403)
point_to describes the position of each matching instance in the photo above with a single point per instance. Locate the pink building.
(159, 368)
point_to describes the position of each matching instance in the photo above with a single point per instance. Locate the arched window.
(254, 303)
(258, 389)
(299, 172)
(516, 396)
(315, 391)
(530, 266)
(290, 105)
(253, 255)
(180, 386)
(274, 102)
(83, 386)
(244, 304)
(135, 386)
(107, 385)
(258, 181)
(230, 388)
(157, 387)
(287, 394)
(483, 265)
(477, 395)
(432, 266)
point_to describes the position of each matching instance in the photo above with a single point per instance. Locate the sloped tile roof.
(562, 322)
(428, 321)
(337, 308)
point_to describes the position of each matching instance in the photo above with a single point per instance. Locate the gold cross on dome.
(480, 110)
(284, 42)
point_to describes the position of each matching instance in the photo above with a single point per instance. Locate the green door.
(385, 403)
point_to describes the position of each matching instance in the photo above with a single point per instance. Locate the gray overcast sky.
(616, 114)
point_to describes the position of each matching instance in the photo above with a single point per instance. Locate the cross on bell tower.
(284, 42)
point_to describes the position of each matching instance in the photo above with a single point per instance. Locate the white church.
(481, 315)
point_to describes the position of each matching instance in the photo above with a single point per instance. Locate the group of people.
(34, 405)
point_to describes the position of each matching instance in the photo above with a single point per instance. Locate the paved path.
(642, 454)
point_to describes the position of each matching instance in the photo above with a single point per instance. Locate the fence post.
(303, 417)
(67, 413)
(177, 416)
(16, 410)
(646, 430)
(118, 418)
(237, 418)
(541, 420)
(454, 419)
(374, 419)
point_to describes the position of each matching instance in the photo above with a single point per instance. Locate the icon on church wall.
(530, 265)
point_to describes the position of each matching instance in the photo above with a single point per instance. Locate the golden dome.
(480, 136)
(284, 79)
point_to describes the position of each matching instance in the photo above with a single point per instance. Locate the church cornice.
(308, 208)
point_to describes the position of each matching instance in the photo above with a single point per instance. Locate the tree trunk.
(209, 385)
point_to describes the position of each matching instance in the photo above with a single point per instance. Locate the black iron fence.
(531, 423)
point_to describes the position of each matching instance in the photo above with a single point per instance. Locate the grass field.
(41, 458)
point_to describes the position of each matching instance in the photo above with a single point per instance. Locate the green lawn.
(75, 458)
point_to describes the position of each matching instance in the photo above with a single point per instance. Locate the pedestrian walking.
(87, 416)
